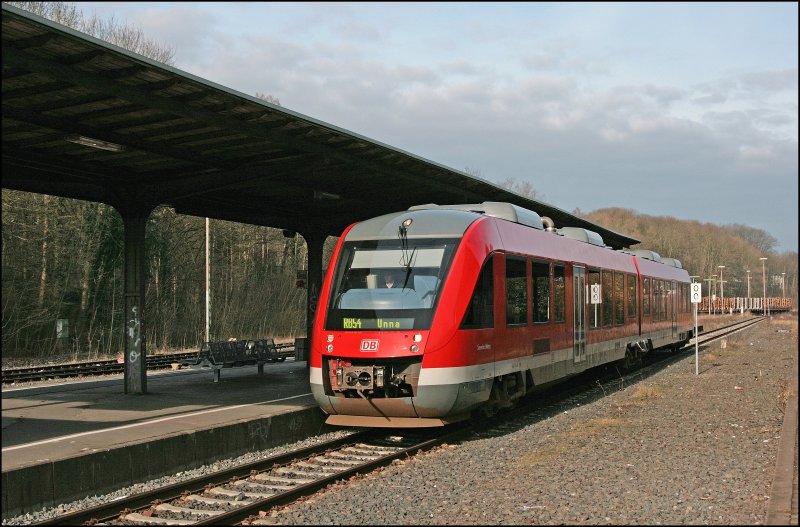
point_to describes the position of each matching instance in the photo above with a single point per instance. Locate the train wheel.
(493, 405)
(631, 361)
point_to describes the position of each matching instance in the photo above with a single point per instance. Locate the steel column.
(315, 242)
(135, 275)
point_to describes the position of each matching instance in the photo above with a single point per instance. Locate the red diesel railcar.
(428, 315)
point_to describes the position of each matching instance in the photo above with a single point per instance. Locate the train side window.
(594, 279)
(516, 291)
(646, 296)
(687, 304)
(480, 313)
(608, 298)
(668, 299)
(619, 299)
(541, 291)
(658, 300)
(559, 293)
(631, 295)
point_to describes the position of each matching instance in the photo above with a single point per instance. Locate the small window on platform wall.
(541, 291)
(480, 313)
(516, 291)
(559, 293)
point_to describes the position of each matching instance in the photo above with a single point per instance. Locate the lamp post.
(710, 282)
(783, 284)
(764, 281)
(721, 287)
(748, 283)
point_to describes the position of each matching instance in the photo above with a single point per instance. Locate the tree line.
(62, 261)
(703, 247)
(62, 269)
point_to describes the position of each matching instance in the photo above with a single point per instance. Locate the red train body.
(486, 305)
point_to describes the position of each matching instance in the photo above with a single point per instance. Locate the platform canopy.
(85, 119)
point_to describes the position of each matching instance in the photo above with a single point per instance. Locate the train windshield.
(388, 284)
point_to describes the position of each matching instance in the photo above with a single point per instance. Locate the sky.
(688, 110)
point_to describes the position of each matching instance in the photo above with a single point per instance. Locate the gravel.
(673, 448)
(93, 501)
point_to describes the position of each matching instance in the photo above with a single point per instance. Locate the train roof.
(439, 223)
(452, 221)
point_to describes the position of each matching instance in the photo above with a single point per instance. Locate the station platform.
(63, 441)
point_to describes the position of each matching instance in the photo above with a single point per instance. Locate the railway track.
(99, 367)
(712, 334)
(234, 495)
(244, 493)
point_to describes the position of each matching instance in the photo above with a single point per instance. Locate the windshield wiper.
(408, 267)
(405, 259)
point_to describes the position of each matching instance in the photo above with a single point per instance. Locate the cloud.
(586, 104)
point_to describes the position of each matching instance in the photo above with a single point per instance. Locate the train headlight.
(330, 348)
(417, 338)
(414, 348)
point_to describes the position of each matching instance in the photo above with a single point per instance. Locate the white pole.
(208, 288)
(764, 285)
(696, 348)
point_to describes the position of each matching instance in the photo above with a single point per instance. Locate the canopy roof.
(85, 119)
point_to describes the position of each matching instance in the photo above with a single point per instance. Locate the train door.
(674, 308)
(579, 313)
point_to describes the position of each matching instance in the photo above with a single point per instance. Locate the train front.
(377, 308)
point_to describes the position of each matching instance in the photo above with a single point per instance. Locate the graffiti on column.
(313, 296)
(134, 335)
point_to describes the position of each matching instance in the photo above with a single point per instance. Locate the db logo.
(369, 345)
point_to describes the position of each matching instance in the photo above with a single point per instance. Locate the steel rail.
(98, 367)
(116, 510)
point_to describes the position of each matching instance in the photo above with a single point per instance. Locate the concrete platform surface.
(66, 440)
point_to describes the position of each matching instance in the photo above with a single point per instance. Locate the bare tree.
(523, 188)
(269, 98)
(758, 238)
(120, 34)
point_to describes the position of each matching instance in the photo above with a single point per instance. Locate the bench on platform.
(231, 354)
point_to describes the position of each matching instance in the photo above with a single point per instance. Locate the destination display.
(377, 323)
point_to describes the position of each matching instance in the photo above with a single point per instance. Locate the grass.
(640, 395)
(565, 442)
(647, 392)
(784, 393)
